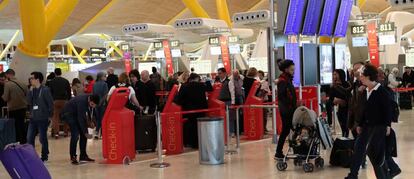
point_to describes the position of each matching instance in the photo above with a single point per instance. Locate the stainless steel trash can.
(211, 140)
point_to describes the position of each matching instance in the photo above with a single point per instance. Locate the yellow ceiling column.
(69, 50)
(83, 52)
(361, 3)
(223, 11)
(70, 45)
(9, 44)
(40, 24)
(112, 44)
(196, 8)
(3, 4)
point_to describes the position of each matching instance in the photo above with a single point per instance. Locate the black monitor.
(309, 64)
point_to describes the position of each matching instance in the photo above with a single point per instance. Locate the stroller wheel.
(281, 166)
(297, 162)
(308, 167)
(319, 162)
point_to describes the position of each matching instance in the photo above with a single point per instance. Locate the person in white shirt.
(392, 79)
(123, 81)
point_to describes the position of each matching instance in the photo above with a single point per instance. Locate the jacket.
(377, 111)
(76, 110)
(60, 88)
(41, 99)
(356, 105)
(286, 94)
(192, 95)
(15, 94)
(225, 91)
(247, 85)
(235, 88)
(145, 93)
(100, 88)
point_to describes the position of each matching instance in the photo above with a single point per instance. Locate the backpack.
(342, 151)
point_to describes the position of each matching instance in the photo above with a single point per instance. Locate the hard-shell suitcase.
(118, 143)
(145, 133)
(324, 133)
(22, 161)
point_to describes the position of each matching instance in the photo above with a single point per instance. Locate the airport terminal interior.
(202, 89)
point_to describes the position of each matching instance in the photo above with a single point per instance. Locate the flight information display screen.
(294, 17)
(325, 64)
(292, 52)
(313, 17)
(310, 64)
(330, 12)
(343, 18)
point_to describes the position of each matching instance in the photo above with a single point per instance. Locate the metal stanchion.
(334, 120)
(160, 163)
(237, 128)
(228, 146)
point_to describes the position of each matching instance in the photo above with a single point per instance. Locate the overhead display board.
(176, 53)
(329, 16)
(310, 64)
(294, 18)
(387, 39)
(409, 59)
(312, 17)
(325, 64)
(359, 41)
(343, 18)
(342, 60)
(292, 52)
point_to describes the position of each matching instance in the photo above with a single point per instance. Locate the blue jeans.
(39, 126)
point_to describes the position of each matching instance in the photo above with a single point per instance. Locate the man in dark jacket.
(61, 92)
(111, 79)
(374, 126)
(40, 103)
(146, 93)
(75, 113)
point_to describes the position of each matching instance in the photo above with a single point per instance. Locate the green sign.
(386, 27)
(358, 29)
(157, 45)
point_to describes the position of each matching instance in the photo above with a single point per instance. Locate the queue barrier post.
(160, 163)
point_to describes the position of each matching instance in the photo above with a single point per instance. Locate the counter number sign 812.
(360, 29)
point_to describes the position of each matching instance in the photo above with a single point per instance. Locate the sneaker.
(86, 159)
(279, 156)
(74, 161)
(56, 136)
(395, 173)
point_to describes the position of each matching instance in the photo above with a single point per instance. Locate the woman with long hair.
(339, 95)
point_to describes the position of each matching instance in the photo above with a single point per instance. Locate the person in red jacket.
(89, 84)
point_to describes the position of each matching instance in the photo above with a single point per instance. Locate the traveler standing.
(50, 78)
(156, 79)
(77, 87)
(40, 102)
(123, 81)
(111, 79)
(146, 94)
(2, 82)
(15, 96)
(264, 95)
(225, 96)
(100, 88)
(75, 113)
(374, 125)
(89, 84)
(392, 79)
(339, 95)
(192, 96)
(237, 95)
(287, 102)
(249, 80)
(61, 92)
(408, 77)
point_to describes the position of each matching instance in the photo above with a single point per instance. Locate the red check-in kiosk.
(309, 97)
(118, 135)
(172, 125)
(253, 117)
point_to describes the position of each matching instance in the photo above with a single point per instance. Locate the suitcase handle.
(11, 145)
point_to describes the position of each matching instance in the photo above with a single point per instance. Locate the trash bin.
(211, 140)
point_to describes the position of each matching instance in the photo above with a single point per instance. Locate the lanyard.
(40, 94)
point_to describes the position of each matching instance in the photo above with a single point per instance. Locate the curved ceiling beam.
(3, 4)
(196, 8)
(223, 11)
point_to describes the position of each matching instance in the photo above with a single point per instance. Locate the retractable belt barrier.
(172, 120)
(403, 90)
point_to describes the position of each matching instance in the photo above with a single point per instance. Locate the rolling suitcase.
(145, 133)
(22, 161)
(7, 132)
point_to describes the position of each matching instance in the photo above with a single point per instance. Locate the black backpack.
(341, 154)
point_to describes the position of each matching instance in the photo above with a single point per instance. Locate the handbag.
(90, 120)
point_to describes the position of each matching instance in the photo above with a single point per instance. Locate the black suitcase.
(341, 154)
(405, 100)
(145, 133)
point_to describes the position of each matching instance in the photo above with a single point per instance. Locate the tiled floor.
(254, 161)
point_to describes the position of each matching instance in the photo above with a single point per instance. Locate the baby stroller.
(304, 141)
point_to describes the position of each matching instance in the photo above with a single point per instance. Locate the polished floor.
(254, 161)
